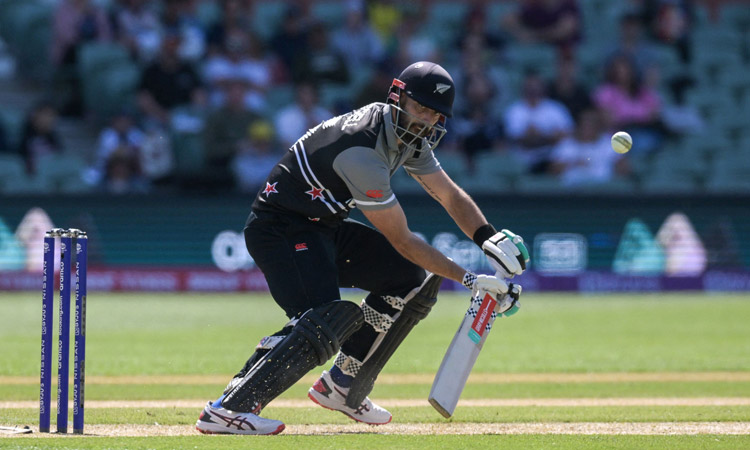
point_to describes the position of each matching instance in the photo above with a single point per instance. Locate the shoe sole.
(276, 431)
(375, 424)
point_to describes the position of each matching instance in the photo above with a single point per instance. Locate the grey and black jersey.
(342, 163)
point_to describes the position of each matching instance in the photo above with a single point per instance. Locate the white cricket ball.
(621, 142)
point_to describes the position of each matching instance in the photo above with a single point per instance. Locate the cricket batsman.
(300, 237)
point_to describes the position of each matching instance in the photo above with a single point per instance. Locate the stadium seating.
(331, 13)
(25, 185)
(673, 162)
(454, 164)
(402, 183)
(666, 183)
(540, 57)
(12, 119)
(503, 164)
(16, 15)
(538, 184)
(14, 180)
(61, 169)
(188, 152)
(730, 173)
(720, 64)
(445, 20)
(11, 166)
(34, 34)
(111, 89)
(267, 17)
(95, 57)
(277, 98)
(478, 184)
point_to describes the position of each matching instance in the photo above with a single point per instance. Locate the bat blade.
(462, 353)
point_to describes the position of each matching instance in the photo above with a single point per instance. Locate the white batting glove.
(506, 253)
(509, 303)
(495, 285)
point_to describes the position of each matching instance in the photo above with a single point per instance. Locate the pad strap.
(380, 322)
(395, 302)
(349, 365)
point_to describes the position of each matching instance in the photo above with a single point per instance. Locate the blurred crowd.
(243, 94)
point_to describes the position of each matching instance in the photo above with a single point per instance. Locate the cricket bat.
(461, 355)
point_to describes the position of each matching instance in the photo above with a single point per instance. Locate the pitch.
(569, 371)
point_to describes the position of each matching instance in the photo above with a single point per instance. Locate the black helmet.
(430, 85)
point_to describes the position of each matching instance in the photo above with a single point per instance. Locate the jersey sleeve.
(367, 178)
(422, 163)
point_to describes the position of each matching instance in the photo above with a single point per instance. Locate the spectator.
(413, 41)
(373, 91)
(167, 83)
(234, 14)
(479, 131)
(138, 28)
(321, 62)
(39, 137)
(681, 117)
(243, 59)
(554, 22)
(290, 43)
(535, 123)
(123, 173)
(226, 128)
(305, 113)
(567, 89)
(75, 22)
(179, 18)
(475, 27)
(670, 22)
(634, 44)
(119, 157)
(586, 156)
(356, 39)
(630, 105)
(256, 157)
(476, 60)
(121, 139)
(386, 17)
(477, 127)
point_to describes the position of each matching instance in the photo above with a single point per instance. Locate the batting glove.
(495, 285)
(506, 253)
(508, 303)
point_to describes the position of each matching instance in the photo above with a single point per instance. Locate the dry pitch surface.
(582, 428)
(585, 428)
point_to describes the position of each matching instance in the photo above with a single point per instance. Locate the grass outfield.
(569, 371)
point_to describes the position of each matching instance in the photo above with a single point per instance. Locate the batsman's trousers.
(305, 262)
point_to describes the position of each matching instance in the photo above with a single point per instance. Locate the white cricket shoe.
(222, 421)
(330, 395)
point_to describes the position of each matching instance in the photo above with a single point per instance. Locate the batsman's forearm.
(428, 257)
(465, 213)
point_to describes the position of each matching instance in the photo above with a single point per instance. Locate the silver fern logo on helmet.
(441, 88)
